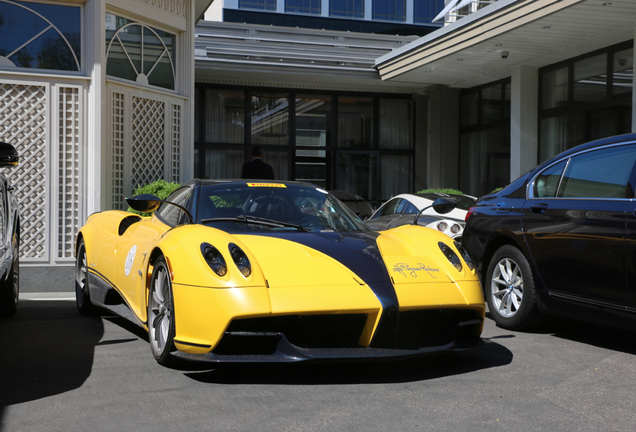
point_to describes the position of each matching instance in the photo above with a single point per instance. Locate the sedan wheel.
(510, 289)
(161, 314)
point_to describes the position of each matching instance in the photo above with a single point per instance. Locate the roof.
(230, 52)
(535, 33)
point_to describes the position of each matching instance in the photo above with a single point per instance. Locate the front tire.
(10, 288)
(82, 294)
(510, 291)
(161, 328)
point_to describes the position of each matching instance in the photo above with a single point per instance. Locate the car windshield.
(245, 208)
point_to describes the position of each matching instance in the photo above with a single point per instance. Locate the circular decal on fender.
(130, 259)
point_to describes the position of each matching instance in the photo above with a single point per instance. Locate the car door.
(574, 223)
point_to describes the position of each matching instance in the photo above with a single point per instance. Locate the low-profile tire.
(82, 294)
(510, 291)
(161, 328)
(10, 287)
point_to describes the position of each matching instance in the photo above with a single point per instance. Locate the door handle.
(539, 208)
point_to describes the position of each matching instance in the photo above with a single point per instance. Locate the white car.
(402, 210)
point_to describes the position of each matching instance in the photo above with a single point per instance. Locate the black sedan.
(561, 238)
(9, 236)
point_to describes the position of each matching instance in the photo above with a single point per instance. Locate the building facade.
(96, 97)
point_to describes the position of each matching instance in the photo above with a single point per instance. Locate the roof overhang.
(200, 6)
(534, 33)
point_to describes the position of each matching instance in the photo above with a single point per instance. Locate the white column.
(95, 134)
(368, 10)
(324, 11)
(524, 118)
(409, 11)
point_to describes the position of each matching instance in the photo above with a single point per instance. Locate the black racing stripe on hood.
(357, 251)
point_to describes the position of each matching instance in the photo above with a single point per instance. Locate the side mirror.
(440, 205)
(8, 155)
(147, 203)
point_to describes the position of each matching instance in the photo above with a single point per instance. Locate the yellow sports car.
(244, 271)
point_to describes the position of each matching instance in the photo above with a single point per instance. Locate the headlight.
(214, 259)
(455, 228)
(450, 254)
(469, 261)
(240, 259)
(442, 226)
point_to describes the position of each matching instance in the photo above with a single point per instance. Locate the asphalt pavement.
(60, 371)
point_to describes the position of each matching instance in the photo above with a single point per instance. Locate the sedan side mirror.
(8, 155)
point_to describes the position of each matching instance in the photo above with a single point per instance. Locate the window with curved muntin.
(139, 53)
(40, 36)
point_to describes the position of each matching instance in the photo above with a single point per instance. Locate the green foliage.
(496, 190)
(160, 188)
(446, 191)
(226, 201)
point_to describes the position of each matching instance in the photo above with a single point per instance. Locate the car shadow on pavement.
(47, 349)
(357, 372)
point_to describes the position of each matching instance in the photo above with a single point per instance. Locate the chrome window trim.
(530, 184)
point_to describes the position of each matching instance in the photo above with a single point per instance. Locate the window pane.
(545, 185)
(470, 108)
(590, 79)
(355, 121)
(396, 175)
(303, 6)
(347, 8)
(554, 88)
(126, 43)
(484, 161)
(623, 72)
(313, 172)
(396, 128)
(389, 10)
(600, 174)
(221, 164)
(270, 118)
(279, 160)
(22, 43)
(425, 10)
(357, 173)
(491, 104)
(224, 116)
(257, 4)
(313, 114)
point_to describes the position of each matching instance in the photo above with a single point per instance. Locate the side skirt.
(106, 296)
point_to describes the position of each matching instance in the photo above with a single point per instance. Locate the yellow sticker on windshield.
(280, 185)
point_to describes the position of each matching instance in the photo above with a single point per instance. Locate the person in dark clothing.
(256, 168)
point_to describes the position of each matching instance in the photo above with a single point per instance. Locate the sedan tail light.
(469, 213)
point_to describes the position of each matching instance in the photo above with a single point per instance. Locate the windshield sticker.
(130, 259)
(407, 270)
(278, 185)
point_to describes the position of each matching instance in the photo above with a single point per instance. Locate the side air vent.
(127, 222)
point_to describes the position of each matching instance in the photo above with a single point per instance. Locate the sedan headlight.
(214, 259)
(450, 254)
(241, 260)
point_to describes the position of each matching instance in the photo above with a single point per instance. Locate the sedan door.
(575, 224)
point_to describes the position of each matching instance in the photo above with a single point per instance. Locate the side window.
(546, 183)
(602, 173)
(391, 207)
(173, 215)
(410, 208)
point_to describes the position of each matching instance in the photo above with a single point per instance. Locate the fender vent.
(127, 222)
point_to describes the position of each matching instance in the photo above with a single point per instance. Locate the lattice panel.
(176, 142)
(117, 148)
(68, 170)
(148, 132)
(23, 124)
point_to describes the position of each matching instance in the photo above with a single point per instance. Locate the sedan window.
(546, 183)
(603, 173)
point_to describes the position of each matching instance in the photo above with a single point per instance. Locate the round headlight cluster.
(442, 226)
(455, 228)
(240, 259)
(450, 254)
(214, 259)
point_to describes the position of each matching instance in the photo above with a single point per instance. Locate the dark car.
(561, 238)
(9, 237)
